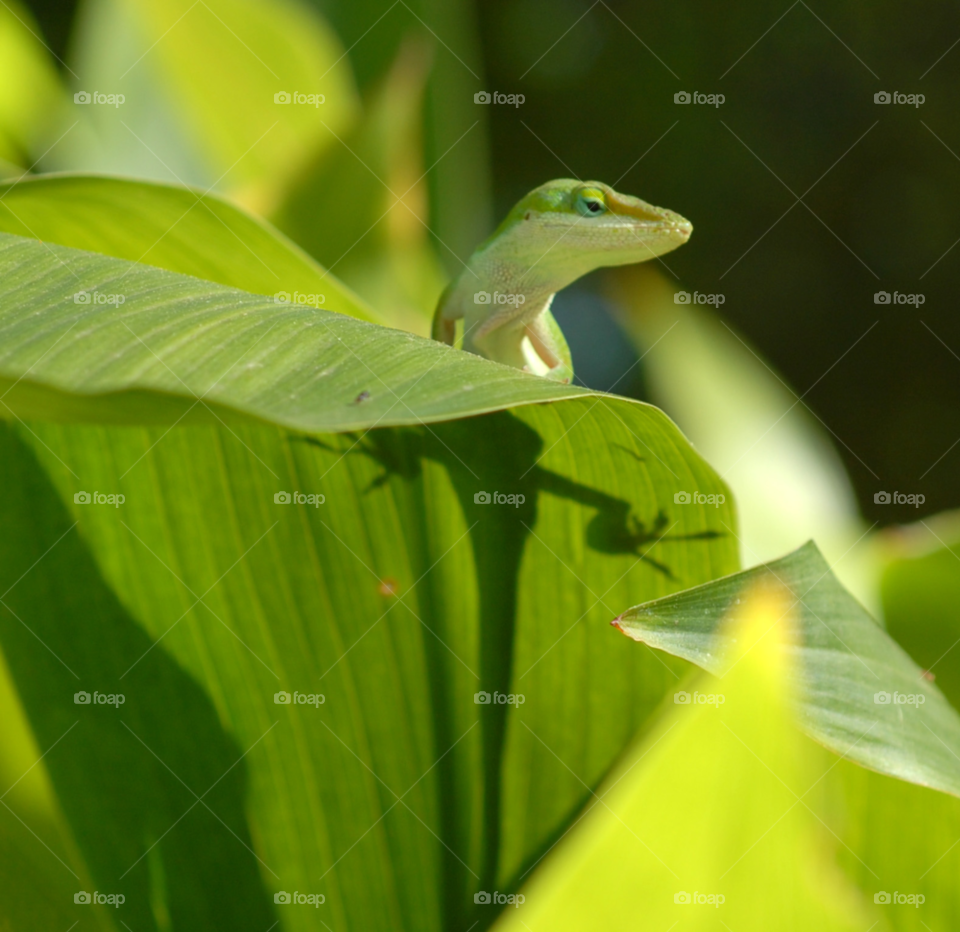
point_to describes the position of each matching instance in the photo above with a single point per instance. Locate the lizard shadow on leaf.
(483, 455)
(614, 529)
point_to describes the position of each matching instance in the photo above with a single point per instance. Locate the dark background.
(880, 218)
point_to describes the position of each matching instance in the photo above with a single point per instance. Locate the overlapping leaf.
(857, 691)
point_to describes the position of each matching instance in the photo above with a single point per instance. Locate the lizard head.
(578, 226)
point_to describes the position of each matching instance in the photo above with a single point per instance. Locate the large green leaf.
(311, 606)
(192, 344)
(857, 691)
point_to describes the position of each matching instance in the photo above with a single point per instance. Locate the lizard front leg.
(545, 339)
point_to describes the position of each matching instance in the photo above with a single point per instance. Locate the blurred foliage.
(666, 841)
(455, 131)
(374, 184)
(921, 595)
(30, 101)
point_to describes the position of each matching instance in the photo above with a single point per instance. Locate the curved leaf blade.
(175, 340)
(858, 692)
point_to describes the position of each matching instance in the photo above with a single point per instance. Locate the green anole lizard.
(557, 233)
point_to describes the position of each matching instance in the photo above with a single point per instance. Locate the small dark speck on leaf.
(388, 587)
(363, 396)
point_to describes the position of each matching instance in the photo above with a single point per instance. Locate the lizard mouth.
(654, 217)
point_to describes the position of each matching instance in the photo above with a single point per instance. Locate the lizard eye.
(590, 202)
